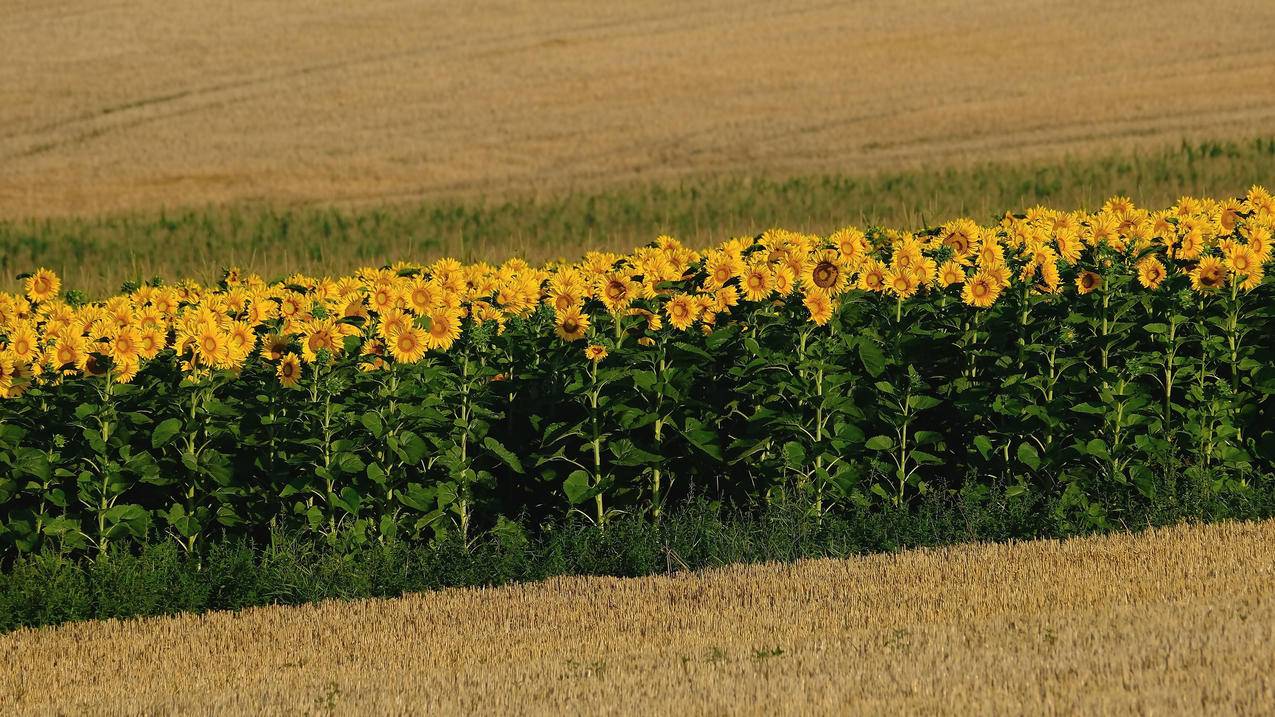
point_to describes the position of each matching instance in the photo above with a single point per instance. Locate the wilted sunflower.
(1151, 272)
(571, 325)
(682, 310)
(289, 370)
(1208, 275)
(980, 290)
(42, 286)
(595, 352)
(819, 304)
(1087, 281)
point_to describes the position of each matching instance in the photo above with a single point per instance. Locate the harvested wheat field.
(112, 106)
(1172, 621)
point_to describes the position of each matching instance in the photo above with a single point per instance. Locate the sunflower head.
(571, 325)
(289, 370)
(1087, 281)
(42, 286)
(981, 290)
(1209, 275)
(595, 352)
(819, 304)
(1151, 272)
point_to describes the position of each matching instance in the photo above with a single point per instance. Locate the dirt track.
(107, 106)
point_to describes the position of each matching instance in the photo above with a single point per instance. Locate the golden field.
(118, 106)
(1172, 621)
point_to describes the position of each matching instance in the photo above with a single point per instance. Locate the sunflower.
(682, 311)
(951, 273)
(961, 236)
(571, 325)
(150, 341)
(617, 291)
(981, 290)
(408, 345)
(785, 280)
(444, 328)
(873, 275)
(1151, 272)
(721, 266)
(422, 295)
(852, 244)
(392, 322)
(819, 304)
(211, 347)
(124, 347)
(827, 272)
(125, 371)
(902, 282)
(758, 282)
(1087, 281)
(42, 286)
(595, 352)
(1242, 260)
(289, 370)
(1208, 275)
(22, 343)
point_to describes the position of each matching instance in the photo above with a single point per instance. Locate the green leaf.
(503, 453)
(872, 358)
(920, 403)
(984, 446)
(880, 443)
(577, 487)
(795, 454)
(164, 432)
(1027, 454)
(372, 422)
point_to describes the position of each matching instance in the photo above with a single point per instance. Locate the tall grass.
(98, 253)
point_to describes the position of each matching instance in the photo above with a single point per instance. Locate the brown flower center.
(825, 274)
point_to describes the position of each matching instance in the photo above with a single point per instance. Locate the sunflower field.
(1094, 357)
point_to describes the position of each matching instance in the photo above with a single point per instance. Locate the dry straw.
(1173, 621)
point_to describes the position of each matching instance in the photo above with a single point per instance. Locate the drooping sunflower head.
(819, 304)
(1087, 281)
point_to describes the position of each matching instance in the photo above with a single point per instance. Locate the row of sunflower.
(394, 399)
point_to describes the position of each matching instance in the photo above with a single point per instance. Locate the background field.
(323, 136)
(1174, 621)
